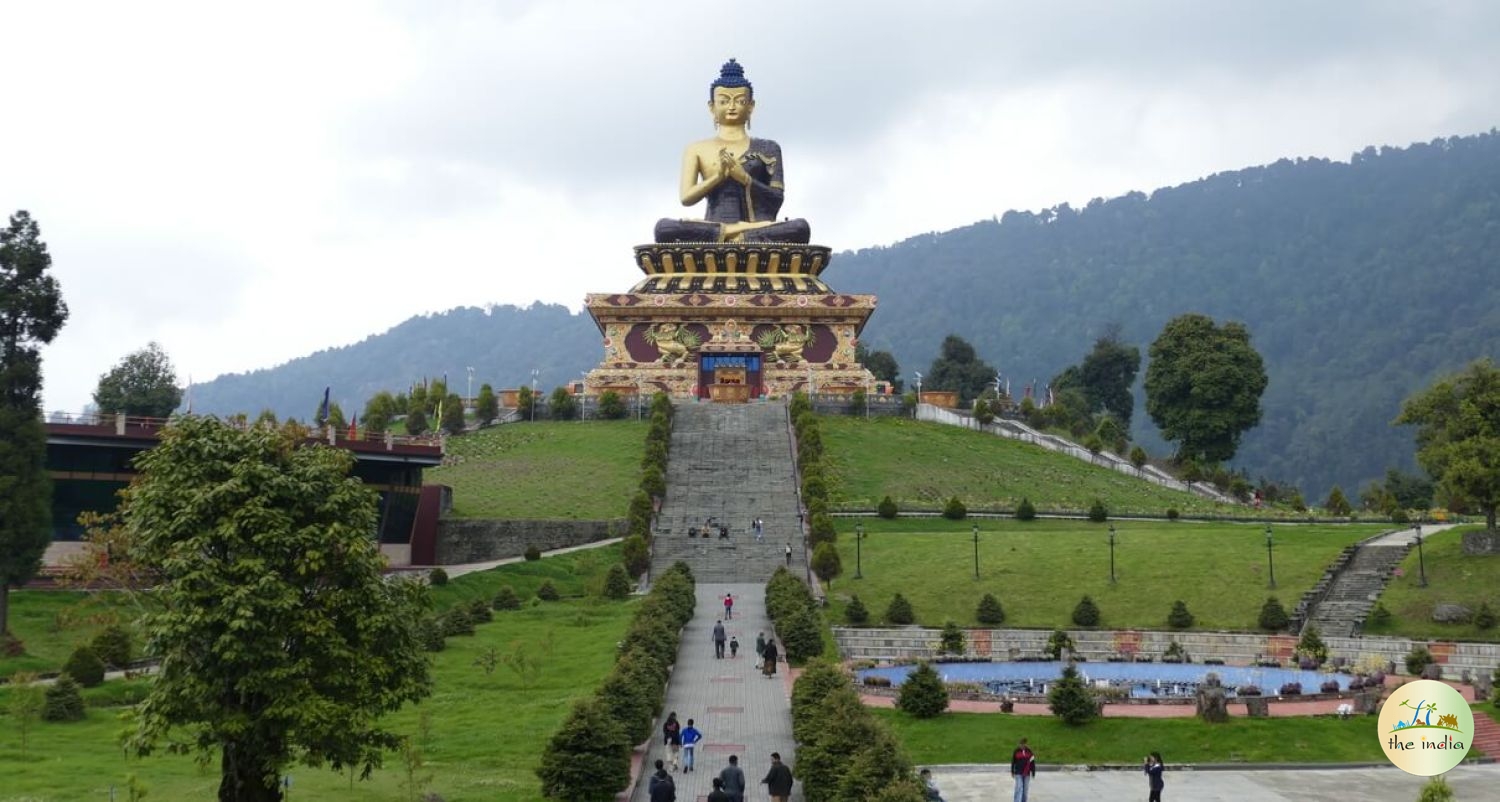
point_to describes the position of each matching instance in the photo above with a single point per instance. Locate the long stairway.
(1356, 589)
(731, 463)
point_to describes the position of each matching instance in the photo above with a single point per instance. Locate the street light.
(1421, 560)
(859, 536)
(638, 397)
(976, 552)
(919, 393)
(869, 388)
(1270, 559)
(534, 374)
(1111, 554)
(471, 384)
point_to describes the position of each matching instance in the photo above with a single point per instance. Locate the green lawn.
(565, 470)
(990, 737)
(487, 731)
(1452, 578)
(921, 465)
(52, 623)
(1040, 569)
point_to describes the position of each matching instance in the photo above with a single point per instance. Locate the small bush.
(1175, 653)
(1437, 789)
(952, 639)
(801, 635)
(1311, 646)
(1173, 514)
(822, 530)
(11, 646)
(548, 592)
(899, 611)
(1291, 689)
(1418, 659)
(85, 667)
(457, 621)
(955, 510)
(1485, 617)
(64, 700)
(990, 611)
(1248, 690)
(113, 646)
(636, 555)
(1273, 617)
(533, 554)
(887, 508)
(1025, 511)
(923, 694)
(1098, 513)
(1086, 613)
(1057, 642)
(1337, 504)
(506, 599)
(1329, 686)
(1179, 618)
(1070, 699)
(437, 576)
(480, 612)
(430, 635)
(856, 614)
(874, 681)
(617, 584)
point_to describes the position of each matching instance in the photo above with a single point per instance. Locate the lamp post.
(1111, 554)
(919, 393)
(1421, 560)
(976, 552)
(534, 374)
(869, 388)
(470, 396)
(638, 397)
(859, 536)
(1270, 558)
(583, 400)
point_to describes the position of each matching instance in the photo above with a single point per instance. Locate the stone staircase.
(732, 463)
(1355, 588)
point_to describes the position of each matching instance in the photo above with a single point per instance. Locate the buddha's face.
(731, 105)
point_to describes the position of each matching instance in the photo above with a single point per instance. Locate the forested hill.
(1359, 281)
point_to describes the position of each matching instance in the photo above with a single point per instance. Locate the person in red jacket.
(1022, 768)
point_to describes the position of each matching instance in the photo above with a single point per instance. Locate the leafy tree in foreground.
(279, 637)
(143, 383)
(31, 313)
(1203, 386)
(1458, 434)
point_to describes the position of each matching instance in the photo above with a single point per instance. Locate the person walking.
(719, 638)
(760, 648)
(1022, 769)
(929, 787)
(768, 659)
(733, 778)
(789, 555)
(662, 788)
(1154, 768)
(690, 737)
(728, 607)
(718, 794)
(671, 736)
(734, 647)
(778, 781)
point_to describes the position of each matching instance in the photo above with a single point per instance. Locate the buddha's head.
(731, 98)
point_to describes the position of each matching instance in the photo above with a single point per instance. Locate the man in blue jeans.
(1022, 769)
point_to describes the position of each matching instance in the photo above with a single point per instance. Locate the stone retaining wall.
(1482, 543)
(475, 540)
(903, 644)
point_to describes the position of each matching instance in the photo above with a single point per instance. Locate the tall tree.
(1458, 434)
(1107, 374)
(1203, 386)
(279, 638)
(880, 363)
(452, 420)
(487, 405)
(959, 368)
(31, 313)
(143, 383)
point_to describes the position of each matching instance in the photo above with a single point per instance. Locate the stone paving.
(739, 711)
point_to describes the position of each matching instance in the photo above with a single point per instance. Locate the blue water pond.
(1145, 680)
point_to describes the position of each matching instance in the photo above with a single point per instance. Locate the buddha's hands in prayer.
(730, 167)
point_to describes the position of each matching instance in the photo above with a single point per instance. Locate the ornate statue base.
(730, 322)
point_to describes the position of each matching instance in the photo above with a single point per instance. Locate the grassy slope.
(989, 738)
(922, 464)
(53, 623)
(487, 730)
(1040, 569)
(1452, 578)
(565, 470)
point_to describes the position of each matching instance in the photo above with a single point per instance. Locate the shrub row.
(1273, 616)
(636, 554)
(588, 757)
(845, 754)
(795, 615)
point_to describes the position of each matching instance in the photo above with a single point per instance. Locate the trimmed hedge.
(844, 752)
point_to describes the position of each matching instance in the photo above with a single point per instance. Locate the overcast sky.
(248, 183)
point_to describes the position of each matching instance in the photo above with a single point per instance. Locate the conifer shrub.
(1086, 613)
(1138, 457)
(1179, 617)
(532, 553)
(1273, 617)
(64, 700)
(952, 638)
(653, 482)
(85, 667)
(506, 599)
(457, 621)
(899, 611)
(1057, 642)
(955, 510)
(1484, 618)
(430, 632)
(887, 508)
(989, 611)
(1025, 511)
(632, 693)
(639, 514)
(548, 591)
(1337, 503)
(480, 612)
(855, 614)
(635, 555)
(822, 529)
(113, 646)
(826, 563)
(1070, 700)
(821, 678)
(683, 570)
(437, 576)
(616, 583)
(1098, 513)
(922, 694)
(1418, 659)
(587, 758)
(1173, 514)
(1311, 646)
(801, 637)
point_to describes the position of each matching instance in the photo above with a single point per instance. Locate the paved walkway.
(1406, 537)
(455, 571)
(989, 783)
(739, 711)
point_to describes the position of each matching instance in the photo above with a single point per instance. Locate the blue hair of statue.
(731, 76)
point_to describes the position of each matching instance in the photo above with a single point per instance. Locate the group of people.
(766, 652)
(1023, 768)
(729, 786)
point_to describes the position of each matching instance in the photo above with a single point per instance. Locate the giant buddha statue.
(740, 176)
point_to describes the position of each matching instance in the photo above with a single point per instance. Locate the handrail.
(121, 423)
